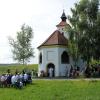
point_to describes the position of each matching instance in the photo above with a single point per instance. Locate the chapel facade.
(54, 59)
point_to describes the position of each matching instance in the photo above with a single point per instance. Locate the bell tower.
(63, 17)
(63, 25)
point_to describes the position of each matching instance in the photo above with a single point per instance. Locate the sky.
(41, 15)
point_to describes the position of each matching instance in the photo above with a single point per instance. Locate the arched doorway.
(50, 70)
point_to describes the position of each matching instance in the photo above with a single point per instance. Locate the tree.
(72, 45)
(97, 39)
(85, 31)
(21, 46)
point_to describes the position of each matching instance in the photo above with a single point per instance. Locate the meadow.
(51, 89)
(54, 90)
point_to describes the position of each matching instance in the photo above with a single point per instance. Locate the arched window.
(40, 58)
(64, 58)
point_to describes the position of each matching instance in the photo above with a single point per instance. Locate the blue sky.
(41, 15)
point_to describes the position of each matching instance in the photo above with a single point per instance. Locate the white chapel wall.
(49, 55)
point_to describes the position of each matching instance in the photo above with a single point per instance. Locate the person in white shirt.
(25, 79)
(13, 79)
(3, 78)
(25, 76)
(50, 72)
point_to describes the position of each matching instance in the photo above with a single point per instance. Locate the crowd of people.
(17, 80)
(91, 71)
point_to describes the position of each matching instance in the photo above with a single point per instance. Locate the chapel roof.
(63, 23)
(63, 20)
(56, 38)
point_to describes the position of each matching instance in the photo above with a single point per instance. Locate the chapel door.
(49, 67)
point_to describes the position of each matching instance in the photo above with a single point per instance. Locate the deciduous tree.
(85, 29)
(21, 46)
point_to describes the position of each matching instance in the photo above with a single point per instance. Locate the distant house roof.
(56, 38)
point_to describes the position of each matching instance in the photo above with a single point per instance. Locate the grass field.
(54, 90)
(51, 89)
(3, 69)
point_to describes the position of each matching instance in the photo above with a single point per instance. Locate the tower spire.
(63, 17)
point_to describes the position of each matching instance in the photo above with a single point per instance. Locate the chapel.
(54, 59)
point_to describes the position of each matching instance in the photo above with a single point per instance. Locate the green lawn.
(54, 90)
(3, 69)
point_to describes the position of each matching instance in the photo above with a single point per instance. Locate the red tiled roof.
(56, 38)
(62, 23)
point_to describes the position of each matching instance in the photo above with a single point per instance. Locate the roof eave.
(52, 45)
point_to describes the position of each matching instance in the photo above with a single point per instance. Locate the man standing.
(50, 72)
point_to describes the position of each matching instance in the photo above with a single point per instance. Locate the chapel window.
(64, 58)
(40, 58)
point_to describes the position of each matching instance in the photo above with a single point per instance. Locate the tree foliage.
(85, 29)
(21, 46)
